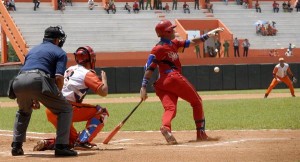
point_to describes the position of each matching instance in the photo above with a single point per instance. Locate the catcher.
(281, 73)
(78, 79)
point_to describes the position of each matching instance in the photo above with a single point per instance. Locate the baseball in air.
(216, 69)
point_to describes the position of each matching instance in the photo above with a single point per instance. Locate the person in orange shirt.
(281, 73)
(78, 79)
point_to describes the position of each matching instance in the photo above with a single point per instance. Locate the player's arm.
(149, 69)
(96, 84)
(204, 37)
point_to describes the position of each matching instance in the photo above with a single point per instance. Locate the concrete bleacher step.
(135, 32)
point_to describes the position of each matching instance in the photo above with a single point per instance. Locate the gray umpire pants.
(28, 86)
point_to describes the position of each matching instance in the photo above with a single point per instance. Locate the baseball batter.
(171, 84)
(78, 79)
(281, 73)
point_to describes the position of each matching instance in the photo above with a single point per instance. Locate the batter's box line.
(231, 142)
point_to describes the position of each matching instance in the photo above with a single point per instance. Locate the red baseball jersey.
(165, 55)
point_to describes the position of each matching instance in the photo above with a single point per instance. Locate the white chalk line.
(231, 142)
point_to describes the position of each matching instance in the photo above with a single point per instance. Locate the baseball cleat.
(168, 136)
(201, 136)
(85, 146)
(17, 149)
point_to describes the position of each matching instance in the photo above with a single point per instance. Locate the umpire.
(41, 79)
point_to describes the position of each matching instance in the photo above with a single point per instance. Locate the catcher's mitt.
(294, 80)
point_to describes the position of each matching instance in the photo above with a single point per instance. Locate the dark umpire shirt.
(47, 57)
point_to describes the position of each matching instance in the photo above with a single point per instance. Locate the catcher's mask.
(164, 28)
(52, 33)
(85, 55)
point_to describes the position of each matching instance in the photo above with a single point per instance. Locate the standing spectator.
(127, 7)
(196, 4)
(197, 51)
(107, 7)
(226, 48)
(149, 2)
(257, 7)
(91, 4)
(155, 4)
(40, 80)
(218, 47)
(174, 5)
(172, 84)
(141, 4)
(167, 8)
(36, 4)
(236, 47)
(186, 8)
(209, 7)
(282, 73)
(298, 6)
(275, 7)
(135, 7)
(246, 46)
(78, 80)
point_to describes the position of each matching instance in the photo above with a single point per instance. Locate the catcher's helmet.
(84, 55)
(163, 27)
(55, 32)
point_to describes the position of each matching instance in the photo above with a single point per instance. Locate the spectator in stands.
(209, 7)
(298, 6)
(135, 7)
(106, 7)
(257, 7)
(271, 31)
(245, 3)
(36, 4)
(289, 6)
(258, 29)
(155, 4)
(127, 7)
(174, 5)
(167, 8)
(159, 2)
(186, 8)
(273, 53)
(197, 51)
(196, 4)
(226, 48)
(113, 7)
(218, 47)
(263, 30)
(226, 2)
(149, 3)
(236, 47)
(10, 5)
(246, 46)
(275, 7)
(284, 7)
(91, 4)
(289, 51)
(141, 4)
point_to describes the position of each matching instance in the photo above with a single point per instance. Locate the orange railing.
(12, 32)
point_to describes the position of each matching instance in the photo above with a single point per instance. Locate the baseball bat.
(119, 126)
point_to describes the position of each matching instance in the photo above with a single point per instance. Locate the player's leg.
(289, 83)
(272, 85)
(96, 118)
(169, 102)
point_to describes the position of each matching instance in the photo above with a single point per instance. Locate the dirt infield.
(263, 145)
(233, 145)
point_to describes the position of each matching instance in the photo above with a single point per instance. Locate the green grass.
(271, 113)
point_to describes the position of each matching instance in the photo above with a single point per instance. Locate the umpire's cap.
(56, 32)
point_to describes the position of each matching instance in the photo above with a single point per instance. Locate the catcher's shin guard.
(94, 126)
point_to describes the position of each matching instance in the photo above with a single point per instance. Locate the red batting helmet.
(84, 55)
(163, 27)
